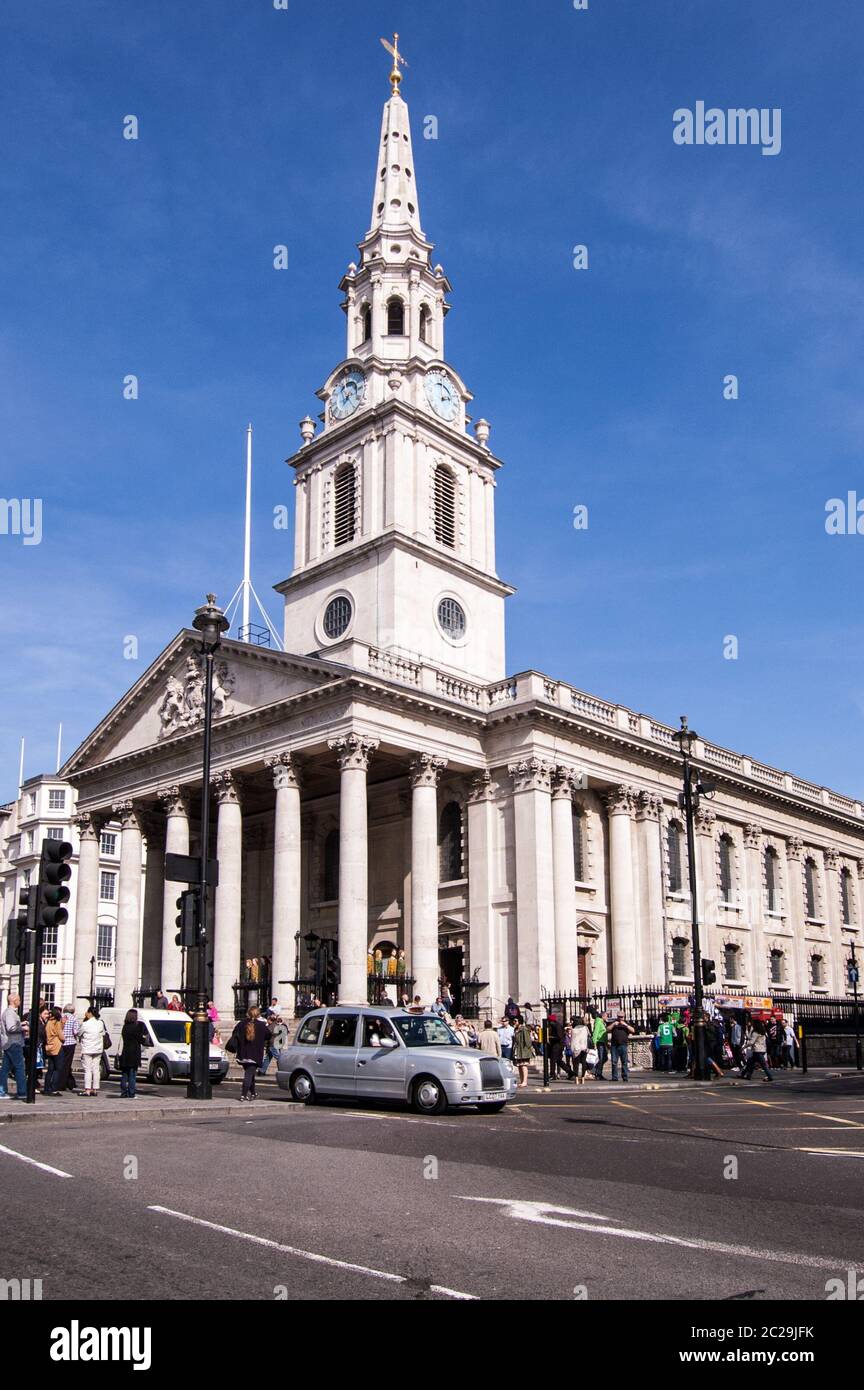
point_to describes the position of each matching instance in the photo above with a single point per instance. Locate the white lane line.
(307, 1254)
(834, 1153)
(534, 1211)
(46, 1167)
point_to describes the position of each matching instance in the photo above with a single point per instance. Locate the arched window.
(810, 887)
(680, 954)
(731, 962)
(817, 972)
(330, 881)
(445, 506)
(578, 844)
(776, 967)
(424, 323)
(450, 843)
(846, 896)
(367, 324)
(344, 504)
(772, 894)
(673, 841)
(727, 869)
(395, 316)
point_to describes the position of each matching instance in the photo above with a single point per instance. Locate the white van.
(166, 1056)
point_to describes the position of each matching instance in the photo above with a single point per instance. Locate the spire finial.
(398, 61)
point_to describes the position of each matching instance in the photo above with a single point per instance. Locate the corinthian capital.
(530, 775)
(425, 769)
(89, 824)
(480, 786)
(794, 847)
(563, 781)
(225, 788)
(353, 751)
(752, 835)
(703, 821)
(649, 806)
(285, 771)
(127, 814)
(175, 800)
(621, 800)
(832, 860)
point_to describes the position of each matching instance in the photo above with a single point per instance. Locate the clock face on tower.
(442, 395)
(348, 393)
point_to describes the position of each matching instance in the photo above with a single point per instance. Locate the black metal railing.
(641, 1006)
(389, 989)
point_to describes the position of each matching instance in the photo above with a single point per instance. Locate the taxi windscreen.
(426, 1032)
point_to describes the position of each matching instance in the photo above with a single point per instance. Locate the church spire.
(395, 206)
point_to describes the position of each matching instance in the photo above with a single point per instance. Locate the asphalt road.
(726, 1193)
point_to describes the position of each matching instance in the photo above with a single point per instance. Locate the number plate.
(494, 1095)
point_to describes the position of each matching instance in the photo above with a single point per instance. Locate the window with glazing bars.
(344, 504)
(445, 506)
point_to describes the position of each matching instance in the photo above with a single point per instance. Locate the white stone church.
(384, 782)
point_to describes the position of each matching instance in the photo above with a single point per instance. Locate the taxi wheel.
(428, 1096)
(303, 1088)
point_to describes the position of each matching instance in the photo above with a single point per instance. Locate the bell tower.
(394, 543)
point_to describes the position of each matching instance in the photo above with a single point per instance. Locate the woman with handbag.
(53, 1047)
(247, 1042)
(523, 1051)
(93, 1039)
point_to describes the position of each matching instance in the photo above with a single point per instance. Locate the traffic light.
(187, 920)
(332, 975)
(54, 874)
(20, 936)
(709, 974)
(14, 934)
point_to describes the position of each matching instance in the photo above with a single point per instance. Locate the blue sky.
(604, 387)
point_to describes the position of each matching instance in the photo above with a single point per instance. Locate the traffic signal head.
(709, 975)
(14, 933)
(188, 918)
(54, 874)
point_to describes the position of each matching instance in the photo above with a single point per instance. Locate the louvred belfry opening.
(344, 504)
(445, 506)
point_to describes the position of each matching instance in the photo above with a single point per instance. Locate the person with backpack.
(598, 1039)
(248, 1041)
(523, 1051)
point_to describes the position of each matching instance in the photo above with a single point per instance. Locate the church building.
(385, 784)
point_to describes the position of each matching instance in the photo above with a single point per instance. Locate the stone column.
(649, 809)
(620, 804)
(757, 973)
(126, 950)
(836, 974)
(564, 878)
(535, 901)
(353, 753)
(286, 875)
(175, 803)
(413, 311)
(378, 324)
(89, 827)
(423, 964)
(706, 881)
(227, 914)
(795, 913)
(151, 934)
(485, 956)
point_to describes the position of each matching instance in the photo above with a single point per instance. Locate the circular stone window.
(337, 616)
(451, 616)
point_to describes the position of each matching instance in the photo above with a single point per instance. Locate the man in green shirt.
(598, 1039)
(665, 1043)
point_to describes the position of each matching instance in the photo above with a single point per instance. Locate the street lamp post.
(685, 738)
(853, 975)
(211, 622)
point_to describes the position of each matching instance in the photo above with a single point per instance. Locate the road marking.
(626, 1106)
(534, 1212)
(834, 1153)
(309, 1254)
(837, 1119)
(46, 1167)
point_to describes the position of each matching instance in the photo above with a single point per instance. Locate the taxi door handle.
(361, 1062)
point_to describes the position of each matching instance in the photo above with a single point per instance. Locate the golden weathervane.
(398, 61)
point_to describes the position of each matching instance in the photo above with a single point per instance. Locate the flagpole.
(59, 744)
(247, 546)
(21, 767)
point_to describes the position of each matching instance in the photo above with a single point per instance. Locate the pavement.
(721, 1192)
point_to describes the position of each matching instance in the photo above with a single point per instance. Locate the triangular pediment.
(167, 702)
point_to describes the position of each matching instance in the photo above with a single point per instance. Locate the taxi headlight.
(460, 1068)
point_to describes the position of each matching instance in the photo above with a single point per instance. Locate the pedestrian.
(278, 1040)
(161, 1000)
(213, 1012)
(619, 1037)
(439, 1007)
(490, 1043)
(133, 1037)
(736, 1037)
(460, 1028)
(788, 1044)
(555, 1044)
(53, 1052)
(757, 1048)
(272, 1010)
(567, 1056)
(523, 1050)
(71, 1033)
(580, 1040)
(92, 1046)
(598, 1038)
(250, 1037)
(44, 1015)
(511, 1008)
(505, 1033)
(528, 1015)
(12, 1039)
(665, 1041)
(447, 996)
(176, 1006)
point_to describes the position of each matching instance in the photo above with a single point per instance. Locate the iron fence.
(641, 1006)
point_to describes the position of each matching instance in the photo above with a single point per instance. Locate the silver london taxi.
(391, 1054)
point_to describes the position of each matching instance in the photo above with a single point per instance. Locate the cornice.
(372, 416)
(401, 541)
